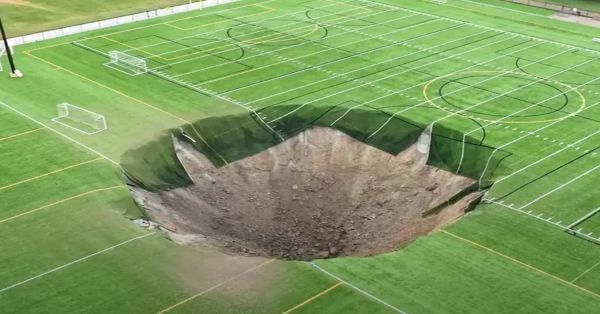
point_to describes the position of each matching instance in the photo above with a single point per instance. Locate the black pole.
(8, 52)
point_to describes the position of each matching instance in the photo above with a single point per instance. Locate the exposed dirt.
(320, 194)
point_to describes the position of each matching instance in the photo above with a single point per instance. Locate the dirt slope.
(320, 194)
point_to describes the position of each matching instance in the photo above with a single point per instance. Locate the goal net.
(127, 63)
(80, 119)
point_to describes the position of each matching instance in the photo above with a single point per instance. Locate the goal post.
(2, 52)
(80, 119)
(126, 63)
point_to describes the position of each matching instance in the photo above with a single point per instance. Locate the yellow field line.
(133, 47)
(62, 201)
(130, 97)
(49, 173)
(147, 26)
(320, 294)
(521, 263)
(20, 134)
(585, 272)
(215, 286)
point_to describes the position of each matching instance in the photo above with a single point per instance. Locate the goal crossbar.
(126, 63)
(80, 119)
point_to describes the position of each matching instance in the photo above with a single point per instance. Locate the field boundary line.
(20, 134)
(480, 26)
(279, 35)
(59, 133)
(199, 35)
(49, 173)
(585, 272)
(568, 283)
(499, 7)
(314, 297)
(216, 286)
(355, 287)
(75, 262)
(117, 92)
(70, 198)
(268, 10)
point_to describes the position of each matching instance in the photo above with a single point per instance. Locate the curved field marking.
(426, 96)
(456, 91)
(296, 46)
(388, 77)
(335, 74)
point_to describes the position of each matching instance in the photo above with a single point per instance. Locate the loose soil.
(320, 194)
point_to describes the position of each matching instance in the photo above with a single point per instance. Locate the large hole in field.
(320, 194)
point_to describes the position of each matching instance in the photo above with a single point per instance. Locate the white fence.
(114, 21)
(558, 8)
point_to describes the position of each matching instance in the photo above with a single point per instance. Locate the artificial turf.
(263, 56)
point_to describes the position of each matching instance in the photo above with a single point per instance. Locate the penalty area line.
(74, 262)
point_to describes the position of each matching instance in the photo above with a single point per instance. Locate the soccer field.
(515, 93)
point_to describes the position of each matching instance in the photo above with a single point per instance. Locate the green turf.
(27, 17)
(520, 259)
(591, 5)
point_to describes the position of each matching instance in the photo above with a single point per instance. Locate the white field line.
(392, 93)
(334, 75)
(459, 90)
(479, 26)
(388, 77)
(356, 288)
(528, 213)
(585, 272)
(265, 53)
(74, 262)
(537, 199)
(198, 89)
(285, 27)
(546, 157)
(311, 54)
(586, 216)
(61, 134)
(520, 88)
(218, 31)
(498, 7)
(539, 129)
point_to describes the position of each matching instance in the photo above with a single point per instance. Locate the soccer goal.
(126, 63)
(80, 119)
